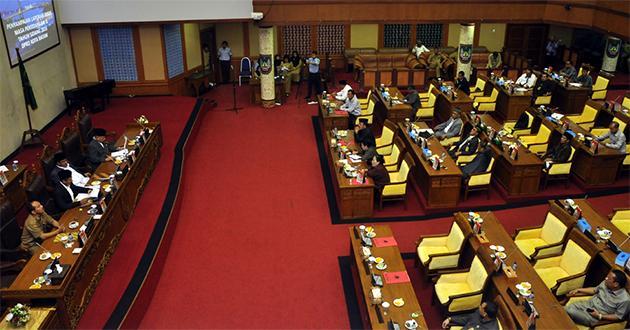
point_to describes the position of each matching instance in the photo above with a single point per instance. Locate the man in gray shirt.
(616, 138)
(610, 301)
(352, 107)
(449, 128)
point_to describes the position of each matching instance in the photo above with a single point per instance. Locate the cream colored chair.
(587, 118)
(427, 94)
(364, 102)
(396, 189)
(462, 291)
(600, 88)
(601, 325)
(427, 109)
(597, 131)
(537, 143)
(486, 103)
(385, 142)
(621, 220)
(479, 181)
(626, 101)
(567, 271)
(542, 241)
(441, 252)
(558, 171)
(509, 126)
(367, 113)
(543, 100)
(392, 161)
(479, 88)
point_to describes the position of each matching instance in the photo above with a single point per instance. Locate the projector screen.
(29, 25)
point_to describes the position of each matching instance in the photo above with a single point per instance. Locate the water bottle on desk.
(15, 166)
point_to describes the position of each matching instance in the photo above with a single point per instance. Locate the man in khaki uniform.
(33, 231)
(435, 62)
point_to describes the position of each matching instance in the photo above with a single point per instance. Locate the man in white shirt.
(352, 107)
(527, 79)
(225, 58)
(61, 163)
(342, 95)
(449, 128)
(418, 49)
(616, 138)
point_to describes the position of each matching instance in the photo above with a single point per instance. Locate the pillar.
(267, 83)
(611, 54)
(464, 54)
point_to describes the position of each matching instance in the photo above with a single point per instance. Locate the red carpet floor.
(254, 247)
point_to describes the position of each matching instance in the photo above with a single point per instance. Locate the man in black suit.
(363, 133)
(467, 146)
(65, 192)
(413, 99)
(99, 149)
(61, 163)
(461, 83)
(560, 153)
(544, 86)
(479, 164)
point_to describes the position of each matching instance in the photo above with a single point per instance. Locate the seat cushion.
(528, 246)
(622, 224)
(425, 251)
(551, 275)
(445, 290)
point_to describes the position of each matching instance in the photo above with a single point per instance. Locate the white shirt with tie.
(78, 179)
(69, 191)
(526, 82)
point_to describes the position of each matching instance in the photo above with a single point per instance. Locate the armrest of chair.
(453, 276)
(465, 159)
(548, 261)
(13, 266)
(14, 254)
(527, 232)
(432, 240)
(444, 261)
(566, 284)
(549, 249)
(618, 209)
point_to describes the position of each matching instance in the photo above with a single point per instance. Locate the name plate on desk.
(583, 225)
(622, 259)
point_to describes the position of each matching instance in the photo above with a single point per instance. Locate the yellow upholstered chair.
(543, 100)
(601, 325)
(392, 161)
(621, 220)
(462, 291)
(537, 143)
(509, 126)
(447, 142)
(441, 252)
(364, 102)
(427, 94)
(567, 271)
(486, 103)
(600, 88)
(385, 142)
(626, 102)
(559, 171)
(396, 189)
(426, 109)
(602, 130)
(480, 86)
(542, 241)
(587, 118)
(367, 113)
(479, 181)
(465, 159)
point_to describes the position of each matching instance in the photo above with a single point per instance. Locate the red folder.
(384, 241)
(396, 277)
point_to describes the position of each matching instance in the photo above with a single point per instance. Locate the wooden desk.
(510, 106)
(354, 200)
(13, 190)
(41, 318)
(72, 296)
(395, 112)
(605, 260)
(552, 314)
(445, 105)
(197, 80)
(389, 292)
(440, 188)
(593, 169)
(335, 119)
(570, 100)
(518, 177)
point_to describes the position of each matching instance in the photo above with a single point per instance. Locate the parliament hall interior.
(300, 164)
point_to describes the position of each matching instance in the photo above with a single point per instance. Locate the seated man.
(342, 95)
(449, 128)
(99, 149)
(467, 146)
(479, 164)
(412, 98)
(585, 78)
(353, 107)
(560, 153)
(616, 138)
(285, 71)
(527, 79)
(610, 301)
(435, 61)
(368, 151)
(484, 318)
(34, 231)
(544, 86)
(362, 133)
(418, 49)
(378, 173)
(65, 192)
(461, 83)
(494, 61)
(568, 72)
(61, 163)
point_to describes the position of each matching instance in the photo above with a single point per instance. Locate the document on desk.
(355, 158)
(426, 130)
(120, 153)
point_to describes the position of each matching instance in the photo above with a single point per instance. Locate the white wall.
(110, 11)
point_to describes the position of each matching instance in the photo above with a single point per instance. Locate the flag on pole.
(29, 96)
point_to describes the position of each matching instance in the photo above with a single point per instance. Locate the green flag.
(29, 96)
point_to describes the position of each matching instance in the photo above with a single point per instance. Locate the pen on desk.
(42, 247)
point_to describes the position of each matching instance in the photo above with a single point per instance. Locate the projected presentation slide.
(29, 25)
